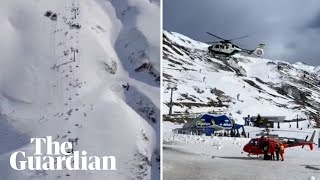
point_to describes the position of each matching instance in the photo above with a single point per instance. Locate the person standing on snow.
(246, 120)
(277, 151)
(282, 152)
(259, 120)
(272, 151)
(249, 120)
(265, 150)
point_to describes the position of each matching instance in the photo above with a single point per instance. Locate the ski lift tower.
(172, 87)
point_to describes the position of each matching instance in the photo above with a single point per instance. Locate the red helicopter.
(255, 145)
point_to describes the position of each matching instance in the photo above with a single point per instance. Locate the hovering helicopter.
(255, 145)
(225, 48)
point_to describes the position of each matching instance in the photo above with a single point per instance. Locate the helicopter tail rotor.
(311, 140)
(259, 50)
(305, 140)
(312, 137)
(311, 143)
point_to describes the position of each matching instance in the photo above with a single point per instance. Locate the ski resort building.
(208, 124)
(270, 121)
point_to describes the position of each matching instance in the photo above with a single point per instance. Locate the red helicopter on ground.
(255, 145)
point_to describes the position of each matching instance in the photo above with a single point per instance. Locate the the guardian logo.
(59, 157)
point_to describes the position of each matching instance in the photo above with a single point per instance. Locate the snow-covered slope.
(67, 78)
(317, 70)
(240, 86)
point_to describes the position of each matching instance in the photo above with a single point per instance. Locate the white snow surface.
(44, 91)
(219, 158)
(317, 69)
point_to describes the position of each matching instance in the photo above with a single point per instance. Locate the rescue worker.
(282, 152)
(272, 151)
(277, 151)
(265, 150)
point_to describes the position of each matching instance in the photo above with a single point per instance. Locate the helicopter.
(255, 145)
(224, 48)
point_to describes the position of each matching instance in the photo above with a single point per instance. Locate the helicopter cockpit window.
(254, 142)
(221, 46)
(216, 46)
(292, 140)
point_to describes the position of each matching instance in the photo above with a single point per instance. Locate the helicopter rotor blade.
(216, 36)
(290, 131)
(238, 38)
(238, 45)
(212, 42)
(263, 130)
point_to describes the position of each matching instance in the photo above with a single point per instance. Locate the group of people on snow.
(276, 151)
(249, 120)
(231, 133)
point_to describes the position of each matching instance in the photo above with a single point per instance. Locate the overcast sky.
(289, 28)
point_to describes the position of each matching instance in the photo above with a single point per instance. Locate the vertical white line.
(161, 91)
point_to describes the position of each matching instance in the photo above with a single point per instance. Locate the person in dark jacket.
(265, 150)
(272, 151)
(259, 120)
(277, 152)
